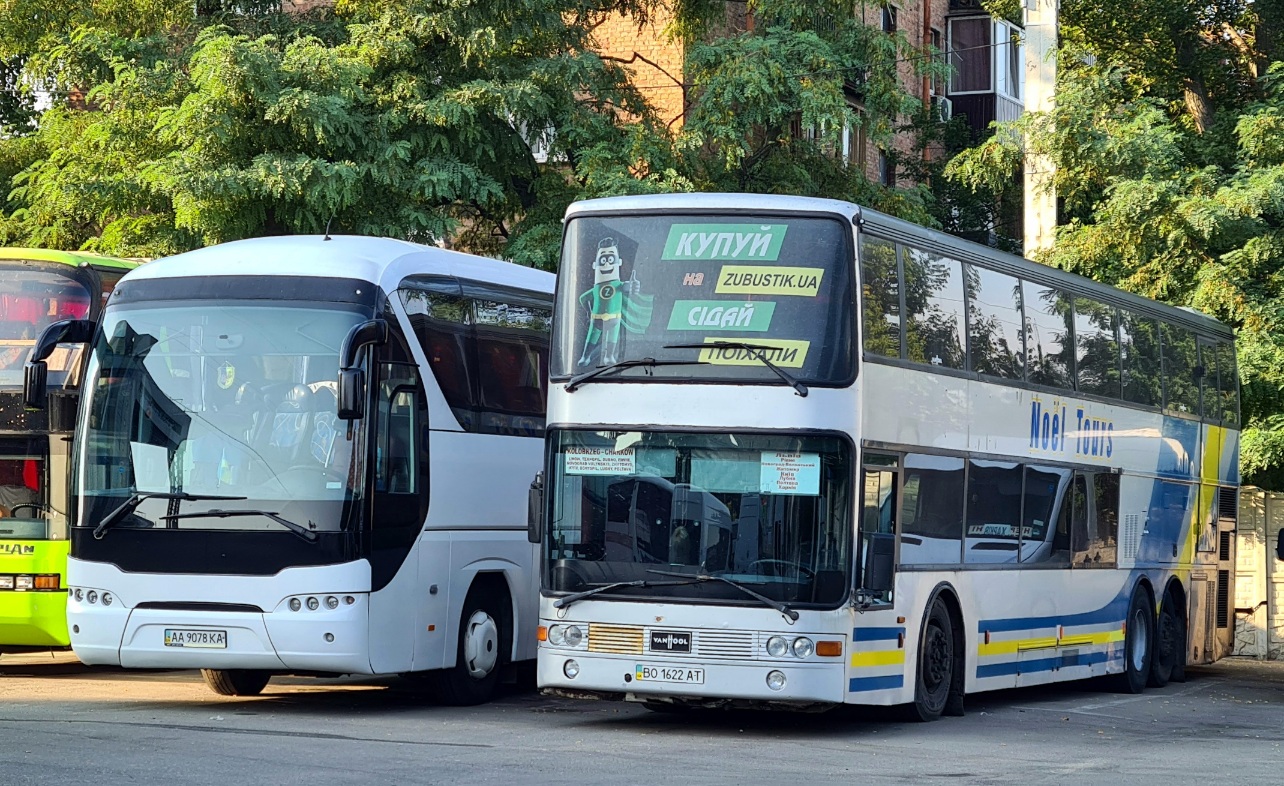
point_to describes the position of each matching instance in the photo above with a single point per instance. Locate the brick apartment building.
(985, 85)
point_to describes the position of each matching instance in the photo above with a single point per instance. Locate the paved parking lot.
(63, 723)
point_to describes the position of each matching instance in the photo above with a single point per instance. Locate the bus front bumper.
(33, 618)
(707, 682)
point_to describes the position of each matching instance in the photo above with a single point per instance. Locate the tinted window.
(512, 365)
(1095, 528)
(933, 309)
(637, 286)
(1045, 515)
(1139, 347)
(931, 520)
(1049, 356)
(442, 319)
(994, 330)
(993, 512)
(1228, 383)
(880, 292)
(1181, 388)
(396, 471)
(1097, 355)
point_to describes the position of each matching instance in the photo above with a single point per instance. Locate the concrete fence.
(1259, 575)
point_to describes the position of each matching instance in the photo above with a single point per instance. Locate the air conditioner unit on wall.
(944, 107)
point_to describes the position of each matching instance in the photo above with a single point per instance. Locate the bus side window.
(1095, 528)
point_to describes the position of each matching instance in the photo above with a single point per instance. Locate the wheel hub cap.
(481, 644)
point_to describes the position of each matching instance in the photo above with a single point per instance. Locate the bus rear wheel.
(1139, 642)
(1170, 645)
(483, 639)
(236, 682)
(935, 673)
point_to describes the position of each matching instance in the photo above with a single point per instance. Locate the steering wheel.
(779, 565)
(38, 508)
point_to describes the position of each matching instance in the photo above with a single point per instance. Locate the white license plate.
(684, 674)
(198, 638)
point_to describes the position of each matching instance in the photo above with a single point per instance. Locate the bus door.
(879, 493)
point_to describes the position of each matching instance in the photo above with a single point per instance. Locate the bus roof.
(905, 231)
(382, 261)
(76, 258)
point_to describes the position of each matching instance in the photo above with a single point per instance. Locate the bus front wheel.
(935, 673)
(1139, 642)
(236, 682)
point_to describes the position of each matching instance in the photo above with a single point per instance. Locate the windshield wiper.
(139, 497)
(580, 379)
(298, 529)
(757, 351)
(567, 600)
(703, 577)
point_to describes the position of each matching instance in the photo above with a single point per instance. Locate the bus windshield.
(31, 299)
(767, 511)
(231, 401)
(773, 288)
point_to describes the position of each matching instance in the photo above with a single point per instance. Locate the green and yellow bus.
(38, 288)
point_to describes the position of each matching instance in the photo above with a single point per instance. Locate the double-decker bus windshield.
(770, 512)
(743, 288)
(231, 406)
(30, 300)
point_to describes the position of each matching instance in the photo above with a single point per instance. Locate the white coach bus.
(803, 454)
(311, 455)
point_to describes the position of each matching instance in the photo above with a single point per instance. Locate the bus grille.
(619, 639)
(726, 644)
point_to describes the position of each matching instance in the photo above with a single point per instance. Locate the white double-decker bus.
(804, 454)
(312, 455)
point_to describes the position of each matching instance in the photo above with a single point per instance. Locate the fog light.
(573, 636)
(349, 600)
(571, 669)
(91, 596)
(313, 604)
(777, 647)
(332, 603)
(557, 635)
(295, 604)
(106, 598)
(329, 637)
(775, 680)
(803, 648)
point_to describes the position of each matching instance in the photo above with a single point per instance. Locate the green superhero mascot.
(612, 304)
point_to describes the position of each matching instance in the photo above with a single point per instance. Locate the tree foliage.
(1170, 166)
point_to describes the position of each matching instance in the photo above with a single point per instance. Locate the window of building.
(889, 18)
(1049, 352)
(994, 323)
(1097, 348)
(971, 54)
(886, 169)
(880, 294)
(931, 512)
(933, 309)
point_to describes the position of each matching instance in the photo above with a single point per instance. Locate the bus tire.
(934, 675)
(236, 682)
(1170, 644)
(1139, 642)
(480, 654)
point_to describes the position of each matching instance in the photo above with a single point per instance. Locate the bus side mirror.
(535, 509)
(1279, 545)
(35, 381)
(352, 380)
(880, 559)
(351, 395)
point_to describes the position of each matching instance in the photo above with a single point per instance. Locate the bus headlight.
(313, 604)
(106, 598)
(295, 604)
(79, 593)
(803, 648)
(91, 596)
(777, 647)
(573, 636)
(24, 582)
(6, 582)
(332, 603)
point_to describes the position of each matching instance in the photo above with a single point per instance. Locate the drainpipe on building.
(1040, 86)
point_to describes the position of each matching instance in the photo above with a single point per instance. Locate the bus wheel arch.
(1168, 663)
(483, 644)
(940, 660)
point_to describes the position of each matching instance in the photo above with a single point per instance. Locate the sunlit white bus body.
(996, 476)
(230, 516)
